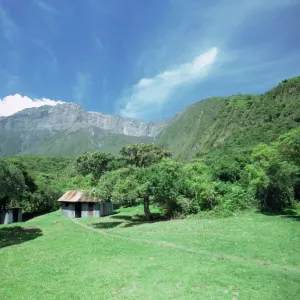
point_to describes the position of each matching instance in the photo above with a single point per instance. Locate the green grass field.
(249, 256)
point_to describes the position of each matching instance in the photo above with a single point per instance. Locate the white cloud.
(14, 103)
(149, 94)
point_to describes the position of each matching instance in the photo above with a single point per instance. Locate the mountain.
(236, 123)
(208, 127)
(68, 129)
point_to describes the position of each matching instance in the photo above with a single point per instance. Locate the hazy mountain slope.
(191, 129)
(234, 123)
(10, 141)
(67, 129)
(68, 143)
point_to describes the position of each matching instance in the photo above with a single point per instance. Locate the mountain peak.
(28, 129)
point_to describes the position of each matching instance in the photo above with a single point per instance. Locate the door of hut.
(78, 210)
(15, 215)
(91, 209)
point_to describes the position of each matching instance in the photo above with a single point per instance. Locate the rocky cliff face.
(73, 116)
(28, 128)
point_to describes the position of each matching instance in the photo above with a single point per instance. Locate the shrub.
(234, 198)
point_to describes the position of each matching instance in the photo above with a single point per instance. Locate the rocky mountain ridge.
(71, 116)
(25, 130)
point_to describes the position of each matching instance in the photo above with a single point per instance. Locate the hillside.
(67, 129)
(235, 123)
(68, 143)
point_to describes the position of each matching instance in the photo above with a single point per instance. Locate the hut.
(75, 204)
(10, 215)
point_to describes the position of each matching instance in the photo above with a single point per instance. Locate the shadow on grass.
(126, 220)
(28, 216)
(138, 219)
(293, 217)
(106, 225)
(17, 235)
(270, 213)
(287, 214)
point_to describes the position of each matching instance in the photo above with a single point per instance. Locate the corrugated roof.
(75, 196)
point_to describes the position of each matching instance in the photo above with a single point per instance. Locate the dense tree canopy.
(95, 163)
(143, 155)
(266, 177)
(12, 183)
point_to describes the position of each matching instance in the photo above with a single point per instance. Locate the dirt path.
(195, 250)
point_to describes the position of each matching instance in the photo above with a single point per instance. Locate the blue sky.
(145, 59)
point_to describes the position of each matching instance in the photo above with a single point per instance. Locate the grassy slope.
(235, 123)
(9, 142)
(191, 129)
(249, 256)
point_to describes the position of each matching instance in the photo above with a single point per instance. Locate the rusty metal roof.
(76, 196)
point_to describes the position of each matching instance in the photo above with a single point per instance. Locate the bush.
(270, 178)
(198, 185)
(234, 197)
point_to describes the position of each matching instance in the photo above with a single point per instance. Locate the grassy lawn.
(249, 256)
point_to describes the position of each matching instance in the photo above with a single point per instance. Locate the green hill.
(235, 123)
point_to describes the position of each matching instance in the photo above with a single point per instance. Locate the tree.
(31, 186)
(129, 186)
(288, 146)
(12, 184)
(117, 163)
(198, 185)
(226, 169)
(96, 163)
(270, 178)
(118, 186)
(143, 155)
(162, 183)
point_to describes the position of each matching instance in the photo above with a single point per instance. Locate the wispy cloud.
(98, 43)
(50, 53)
(14, 103)
(199, 24)
(12, 82)
(50, 14)
(82, 87)
(103, 7)
(150, 94)
(188, 27)
(47, 7)
(8, 26)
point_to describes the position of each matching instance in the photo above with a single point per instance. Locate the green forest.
(266, 178)
(219, 156)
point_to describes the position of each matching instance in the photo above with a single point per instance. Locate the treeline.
(266, 177)
(23, 185)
